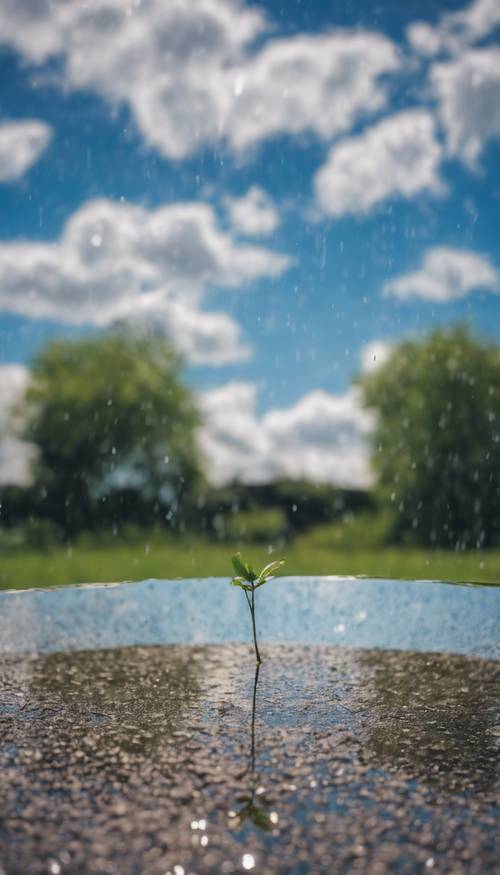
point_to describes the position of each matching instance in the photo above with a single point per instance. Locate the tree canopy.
(113, 424)
(436, 447)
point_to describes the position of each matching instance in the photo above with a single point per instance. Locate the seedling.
(249, 581)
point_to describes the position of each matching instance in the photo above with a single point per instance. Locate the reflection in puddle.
(326, 760)
(254, 809)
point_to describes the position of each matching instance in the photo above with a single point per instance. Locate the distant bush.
(10, 539)
(266, 525)
(301, 504)
(119, 533)
(354, 531)
(36, 534)
(41, 534)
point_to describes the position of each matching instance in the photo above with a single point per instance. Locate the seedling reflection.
(251, 810)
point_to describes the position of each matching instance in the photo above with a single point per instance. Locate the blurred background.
(249, 288)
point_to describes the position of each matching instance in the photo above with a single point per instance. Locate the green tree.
(114, 427)
(436, 447)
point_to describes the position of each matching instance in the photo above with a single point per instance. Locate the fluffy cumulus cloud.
(253, 214)
(121, 262)
(455, 30)
(232, 439)
(13, 382)
(190, 71)
(467, 91)
(323, 437)
(446, 274)
(398, 157)
(21, 144)
(15, 455)
(374, 355)
(322, 84)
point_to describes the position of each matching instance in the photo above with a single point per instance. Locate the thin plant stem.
(251, 606)
(252, 612)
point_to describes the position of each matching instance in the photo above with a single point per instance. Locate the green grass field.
(164, 558)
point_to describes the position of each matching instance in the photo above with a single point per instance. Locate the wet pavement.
(183, 760)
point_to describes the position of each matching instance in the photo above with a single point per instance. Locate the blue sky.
(358, 145)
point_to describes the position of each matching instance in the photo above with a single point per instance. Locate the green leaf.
(258, 816)
(269, 570)
(239, 565)
(238, 581)
(243, 569)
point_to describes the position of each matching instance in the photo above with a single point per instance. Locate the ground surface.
(163, 558)
(147, 761)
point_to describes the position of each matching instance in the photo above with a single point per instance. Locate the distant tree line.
(297, 505)
(115, 430)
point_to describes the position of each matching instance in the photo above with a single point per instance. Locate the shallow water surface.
(390, 614)
(183, 759)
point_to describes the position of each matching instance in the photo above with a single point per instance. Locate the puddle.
(388, 614)
(178, 759)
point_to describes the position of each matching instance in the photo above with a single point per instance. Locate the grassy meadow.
(91, 560)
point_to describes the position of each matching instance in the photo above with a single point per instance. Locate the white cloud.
(118, 261)
(21, 144)
(173, 32)
(13, 382)
(15, 455)
(204, 337)
(446, 274)
(374, 355)
(398, 157)
(322, 84)
(455, 30)
(254, 214)
(191, 75)
(323, 437)
(467, 90)
(232, 439)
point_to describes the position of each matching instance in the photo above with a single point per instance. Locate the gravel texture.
(184, 760)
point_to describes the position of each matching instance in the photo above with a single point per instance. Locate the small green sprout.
(249, 582)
